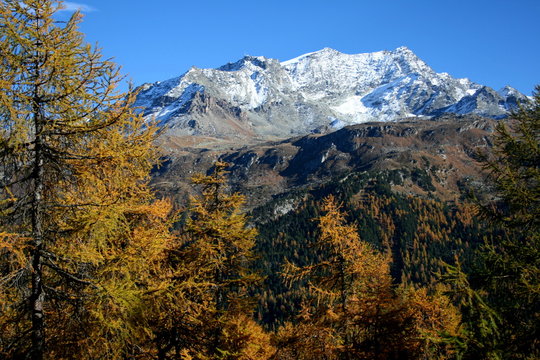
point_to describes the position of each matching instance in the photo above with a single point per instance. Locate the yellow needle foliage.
(210, 314)
(82, 238)
(356, 312)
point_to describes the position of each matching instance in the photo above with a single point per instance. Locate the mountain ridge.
(442, 150)
(261, 98)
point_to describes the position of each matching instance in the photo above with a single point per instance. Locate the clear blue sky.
(492, 42)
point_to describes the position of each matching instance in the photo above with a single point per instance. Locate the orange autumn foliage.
(355, 311)
(82, 235)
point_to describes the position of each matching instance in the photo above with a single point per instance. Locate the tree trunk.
(37, 295)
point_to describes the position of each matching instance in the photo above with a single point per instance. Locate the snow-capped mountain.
(260, 97)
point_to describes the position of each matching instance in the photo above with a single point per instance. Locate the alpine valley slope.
(258, 98)
(425, 157)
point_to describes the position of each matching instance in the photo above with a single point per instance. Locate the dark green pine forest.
(95, 263)
(422, 235)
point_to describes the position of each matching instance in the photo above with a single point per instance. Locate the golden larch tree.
(210, 315)
(80, 233)
(356, 312)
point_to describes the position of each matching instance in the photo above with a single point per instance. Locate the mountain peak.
(325, 52)
(403, 50)
(407, 59)
(507, 91)
(314, 92)
(258, 61)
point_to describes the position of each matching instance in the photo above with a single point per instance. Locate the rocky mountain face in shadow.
(425, 158)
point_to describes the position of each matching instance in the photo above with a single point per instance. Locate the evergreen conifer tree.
(500, 297)
(510, 270)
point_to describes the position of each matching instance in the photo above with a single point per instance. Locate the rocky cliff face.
(426, 156)
(257, 98)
